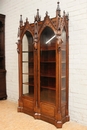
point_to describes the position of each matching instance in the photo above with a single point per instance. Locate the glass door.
(63, 68)
(47, 67)
(28, 65)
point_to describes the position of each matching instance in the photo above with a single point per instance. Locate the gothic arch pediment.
(46, 23)
(27, 27)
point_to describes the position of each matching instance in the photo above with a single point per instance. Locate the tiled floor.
(10, 119)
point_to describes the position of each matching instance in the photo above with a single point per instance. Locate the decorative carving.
(46, 13)
(58, 10)
(27, 27)
(21, 21)
(26, 19)
(18, 50)
(59, 49)
(67, 16)
(47, 22)
(18, 32)
(35, 34)
(37, 17)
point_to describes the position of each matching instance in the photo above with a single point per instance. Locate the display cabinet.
(2, 58)
(43, 57)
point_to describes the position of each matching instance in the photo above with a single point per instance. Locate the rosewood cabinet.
(2, 58)
(43, 56)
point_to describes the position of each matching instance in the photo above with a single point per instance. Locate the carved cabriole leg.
(20, 106)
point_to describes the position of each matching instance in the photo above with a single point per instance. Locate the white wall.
(78, 47)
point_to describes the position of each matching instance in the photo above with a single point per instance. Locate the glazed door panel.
(47, 68)
(27, 66)
(63, 69)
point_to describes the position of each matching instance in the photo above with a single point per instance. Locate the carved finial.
(58, 9)
(26, 19)
(64, 13)
(21, 21)
(59, 27)
(37, 18)
(67, 16)
(37, 12)
(46, 13)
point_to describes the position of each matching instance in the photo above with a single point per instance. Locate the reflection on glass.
(27, 65)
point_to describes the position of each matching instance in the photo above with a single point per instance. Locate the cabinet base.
(58, 124)
(2, 97)
(27, 106)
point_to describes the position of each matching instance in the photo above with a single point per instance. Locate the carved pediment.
(47, 22)
(27, 27)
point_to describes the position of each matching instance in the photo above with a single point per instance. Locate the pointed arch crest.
(27, 27)
(46, 23)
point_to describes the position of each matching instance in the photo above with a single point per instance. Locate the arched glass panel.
(27, 65)
(47, 67)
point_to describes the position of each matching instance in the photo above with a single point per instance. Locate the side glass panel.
(47, 67)
(63, 68)
(27, 65)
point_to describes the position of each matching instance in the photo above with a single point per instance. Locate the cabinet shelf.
(24, 61)
(48, 76)
(25, 73)
(63, 62)
(63, 77)
(63, 89)
(63, 49)
(48, 87)
(30, 51)
(31, 74)
(47, 61)
(28, 94)
(28, 84)
(28, 62)
(48, 48)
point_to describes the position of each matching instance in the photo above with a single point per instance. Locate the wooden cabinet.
(43, 56)
(2, 58)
